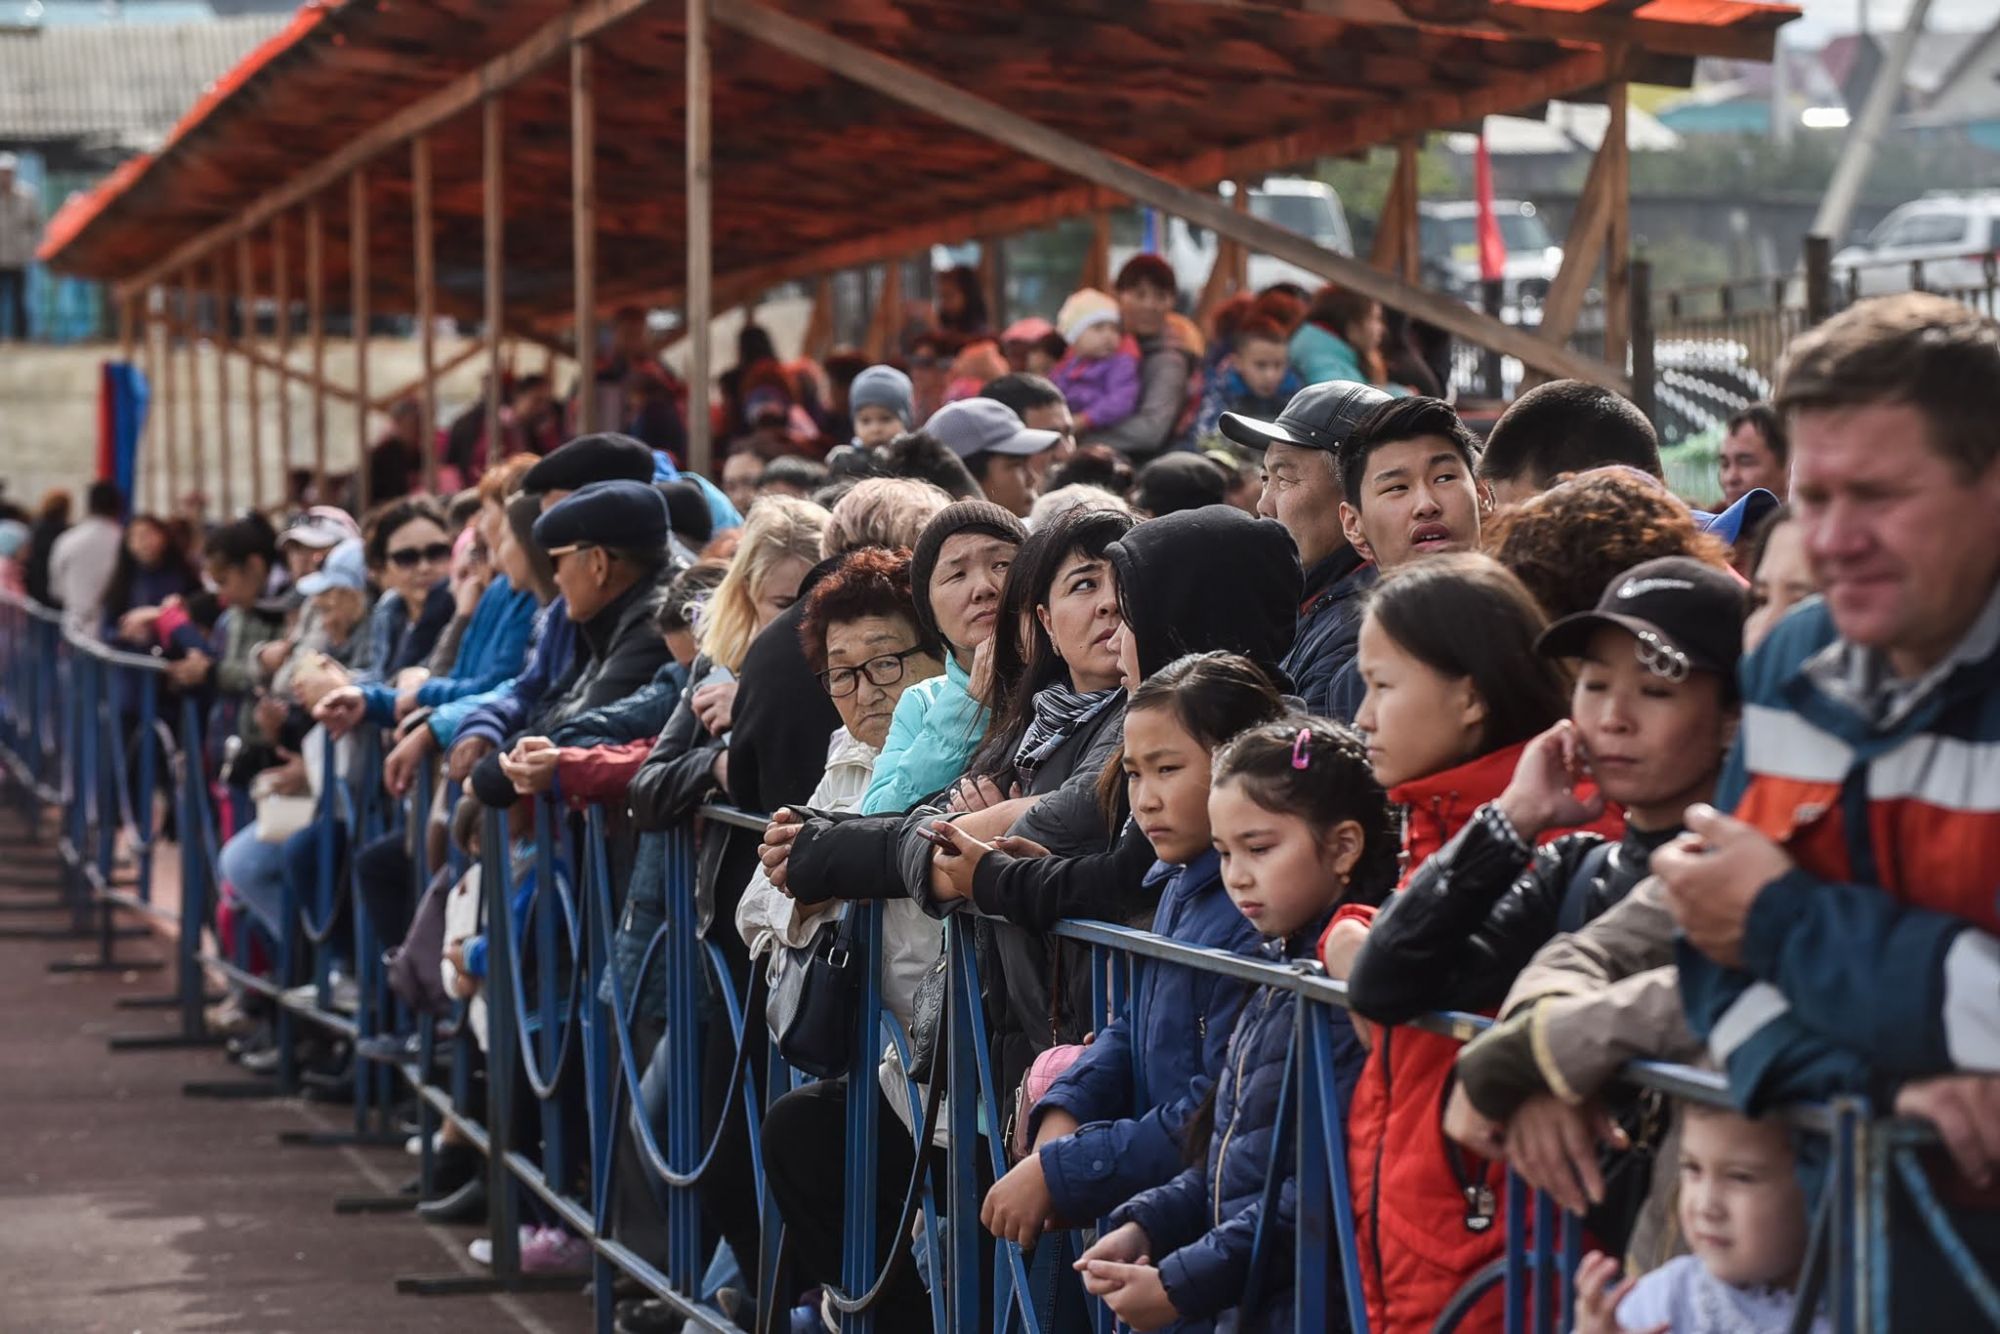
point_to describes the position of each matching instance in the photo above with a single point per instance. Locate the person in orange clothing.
(1455, 692)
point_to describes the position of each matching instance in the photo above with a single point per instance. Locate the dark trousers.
(14, 303)
(805, 1152)
(386, 875)
(729, 1203)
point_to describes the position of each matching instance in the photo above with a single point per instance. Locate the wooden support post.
(426, 279)
(493, 212)
(583, 219)
(357, 273)
(246, 295)
(191, 350)
(281, 296)
(170, 422)
(316, 333)
(1097, 260)
(1395, 248)
(992, 281)
(219, 295)
(819, 322)
(885, 336)
(1120, 178)
(1618, 234)
(1409, 155)
(1645, 384)
(1239, 254)
(700, 246)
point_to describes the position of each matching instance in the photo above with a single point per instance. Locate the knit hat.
(965, 516)
(1084, 309)
(884, 387)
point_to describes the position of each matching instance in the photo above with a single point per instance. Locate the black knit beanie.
(965, 516)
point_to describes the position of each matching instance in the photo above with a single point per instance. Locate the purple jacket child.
(1103, 391)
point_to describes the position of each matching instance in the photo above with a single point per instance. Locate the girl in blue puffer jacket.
(1302, 828)
(1114, 1123)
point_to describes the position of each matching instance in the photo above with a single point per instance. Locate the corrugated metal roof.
(124, 82)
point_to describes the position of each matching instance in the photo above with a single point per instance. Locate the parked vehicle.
(1943, 241)
(1448, 241)
(1307, 207)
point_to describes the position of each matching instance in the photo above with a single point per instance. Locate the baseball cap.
(1750, 510)
(1320, 416)
(986, 426)
(346, 567)
(1687, 616)
(321, 527)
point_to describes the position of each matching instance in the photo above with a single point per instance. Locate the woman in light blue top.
(957, 570)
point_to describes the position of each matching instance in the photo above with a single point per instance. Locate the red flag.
(1492, 251)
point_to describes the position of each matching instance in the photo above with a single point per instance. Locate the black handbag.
(927, 1017)
(812, 1009)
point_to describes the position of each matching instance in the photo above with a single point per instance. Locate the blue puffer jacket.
(1329, 625)
(506, 710)
(496, 639)
(1145, 1076)
(1203, 1224)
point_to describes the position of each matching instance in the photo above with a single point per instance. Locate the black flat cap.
(625, 514)
(1320, 416)
(604, 457)
(687, 511)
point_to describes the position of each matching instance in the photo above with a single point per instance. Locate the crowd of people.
(1499, 726)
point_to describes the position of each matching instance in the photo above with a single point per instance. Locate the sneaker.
(555, 1250)
(481, 1248)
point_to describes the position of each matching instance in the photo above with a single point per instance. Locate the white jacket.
(461, 922)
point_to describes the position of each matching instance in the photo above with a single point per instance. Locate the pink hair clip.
(1299, 757)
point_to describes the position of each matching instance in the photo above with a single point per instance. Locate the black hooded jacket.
(1206, 579)
(782, 719)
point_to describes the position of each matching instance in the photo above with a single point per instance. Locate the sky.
(1825, 17)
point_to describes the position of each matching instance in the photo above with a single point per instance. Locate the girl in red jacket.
(1455, 692)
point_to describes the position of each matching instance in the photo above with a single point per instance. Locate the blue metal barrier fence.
(79, 732)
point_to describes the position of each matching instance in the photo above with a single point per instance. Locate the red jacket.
(599, 773)
(1420, 1234)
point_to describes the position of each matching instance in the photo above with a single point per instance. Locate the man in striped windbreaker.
(1841, 931)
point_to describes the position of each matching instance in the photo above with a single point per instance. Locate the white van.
(1309, 208)
(1949, 233)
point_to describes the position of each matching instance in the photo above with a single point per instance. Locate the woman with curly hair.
(1570, 541)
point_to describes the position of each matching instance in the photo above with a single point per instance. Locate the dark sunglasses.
(409, 558)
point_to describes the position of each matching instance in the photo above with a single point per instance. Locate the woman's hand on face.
(980, 684)
(715, 706)
(1543, 793)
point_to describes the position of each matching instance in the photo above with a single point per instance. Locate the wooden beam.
(819, 322)
(1618, 235)
(388, 399)
(1387, 252)
(281, 296)
(1097, 259)
(583, 226)
(1409, 154)
(357, 270)
(246, 295)
(424, 242)
(316, 332)
(956, 106)
(224, 438)
(700, 237)
(1583, 246)
(170, 423)
(493, 211)
(191, 348)
(885, 331)
(461, 95)
(149, 435)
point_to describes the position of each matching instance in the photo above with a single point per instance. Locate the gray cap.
(346, 567)
(884, 387)
(986, 426)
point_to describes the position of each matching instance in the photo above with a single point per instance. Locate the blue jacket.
(1319, 354)
(935, 728)
(507, 711)
(495, 639)
(1203, 1224)
(1144, 1076)
(1321, 663)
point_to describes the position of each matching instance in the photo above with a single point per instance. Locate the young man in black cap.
(1302, 491)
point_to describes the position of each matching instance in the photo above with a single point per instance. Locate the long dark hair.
(1466, 616)
(1318, 771)
(1032, 666)
(1214, 696)
(971, 318)
(125, 574)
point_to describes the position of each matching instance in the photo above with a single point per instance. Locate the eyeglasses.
(885, 671)
(409, 558)
(557, 553)
(1660, 658)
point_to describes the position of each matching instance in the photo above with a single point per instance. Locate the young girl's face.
(1741, 1207)
(1417, 720)
(1098, 341)
(1281, 873)
(875, 426)
(1166, 776)
(1655, 745)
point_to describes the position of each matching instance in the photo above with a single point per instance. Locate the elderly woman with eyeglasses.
(863, 637)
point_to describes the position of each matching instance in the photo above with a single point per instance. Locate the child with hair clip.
(1302, 828)
(1115, 1122)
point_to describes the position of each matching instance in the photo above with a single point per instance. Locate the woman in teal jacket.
(1341, 339)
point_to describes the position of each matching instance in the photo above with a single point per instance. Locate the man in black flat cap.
(1302, 491)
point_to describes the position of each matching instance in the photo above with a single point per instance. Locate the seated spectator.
(1146, 292)
(396, 461)
(1099, 376)
(1255, 379)
(996, 448)
(1303, 829)
(1561, 427)
(930, 357)
(1246, 477)
(1571, 540)
(880, 400)
(1744, 1217)
(1455, 692)
(977, 363)
(861, 633)
(1341, 339)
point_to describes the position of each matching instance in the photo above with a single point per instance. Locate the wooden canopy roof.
(813, 172)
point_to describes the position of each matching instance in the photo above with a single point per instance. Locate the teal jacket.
(931, 738)
(1321, 355)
